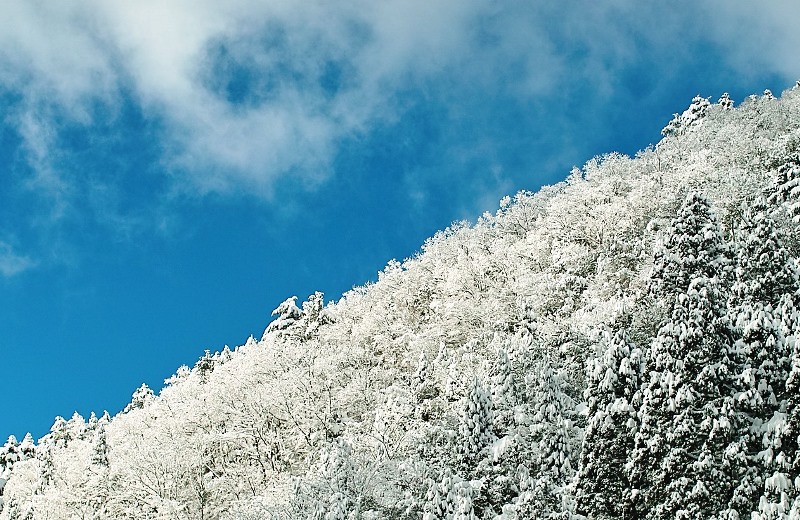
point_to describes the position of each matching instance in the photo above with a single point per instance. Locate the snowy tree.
(791, 444)
(435, 506)
(454, 385)
(421, 382)
(332, 493)
(612, 381)
(314, 314)
(693, 247)
(786, 181)
(424, 388)
(680, 463)
(181, 374)
(764, 269)
(204, 366)
(142, 397)
(100, 447)
(304, 323)
(725, 101)
(27, 448)
(76, 427)
(463, 508)
(450, 498)
(692, 116)
(474, 427)
(288, 313)
(554, 447)
(765, 276)
(10, 454)
(780, 456)
(58, 434)
(504, 391)
(766, 282)
(44, 455)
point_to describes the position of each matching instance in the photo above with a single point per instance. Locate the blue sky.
(170, 172)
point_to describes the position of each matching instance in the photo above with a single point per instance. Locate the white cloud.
(758, 36)
(64, 58)
(12, 263)
(69, 55)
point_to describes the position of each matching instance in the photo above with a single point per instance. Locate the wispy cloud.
(757, 37)
(12, 263)
(248, 92)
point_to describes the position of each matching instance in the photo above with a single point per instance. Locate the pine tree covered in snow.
(791, 441)
(688, 420)
(786, 183)
(288, 313)
(690, 117)
(780, 434)
(554, 447)
(611, 385)
(504, 391)
(725, 101)
(766, 285)
(475, 427)
(141, 398)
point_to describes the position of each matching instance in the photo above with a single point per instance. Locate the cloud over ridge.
(247, 92)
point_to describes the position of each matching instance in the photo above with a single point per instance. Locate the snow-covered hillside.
(620, 345)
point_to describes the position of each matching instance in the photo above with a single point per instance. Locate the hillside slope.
(622, 344)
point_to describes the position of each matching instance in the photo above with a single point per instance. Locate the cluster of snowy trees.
(625, 344)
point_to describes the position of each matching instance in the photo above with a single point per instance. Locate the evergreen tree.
(204, 366)
(725, 101)
(302, 322)
(288, 313)
(792, 432)
(435, 507)
(449, 499)
(141, 397)
(59, 433)
(474, 427)
(9, 452)
(314, 314)
(512, 447)
(463, 509)
(766, 281)
(781, 436)
(690, 117)
(76, 427)
(786, 181)
(696, 111)
(9, 455)
(601, 487)
(505, 390)
(554, 452)
(454, 384)
(100, 447)
(27, 448)
(693, 247)
(422, 383)
(680, 463)
(44, 454)
(764, 270)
